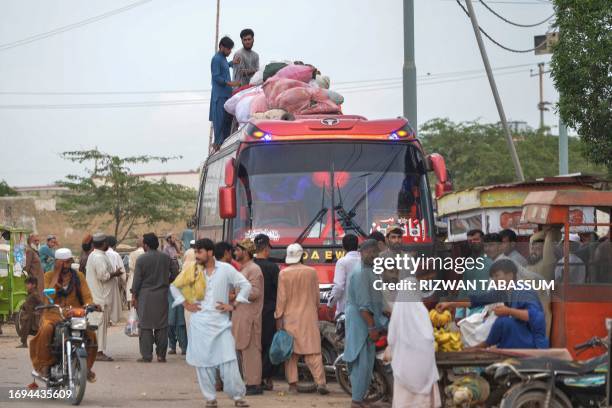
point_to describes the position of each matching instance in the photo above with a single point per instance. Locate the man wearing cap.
(211, 344)
(71, 289)
(297, 312)
(47, 253)
(150, 297)
(246, 319)
(364, 322)
(270, 273)
(99, 277)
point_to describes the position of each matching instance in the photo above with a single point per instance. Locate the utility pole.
(409, 70)
(563, 154)
(210, 135)
(500, 108)
(542, 104)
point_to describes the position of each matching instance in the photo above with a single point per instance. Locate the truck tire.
(525, 395)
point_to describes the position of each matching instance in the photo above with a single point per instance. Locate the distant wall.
(40, 216)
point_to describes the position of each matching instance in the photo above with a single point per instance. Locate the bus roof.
(351, 126)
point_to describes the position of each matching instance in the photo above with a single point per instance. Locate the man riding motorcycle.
(71, 291)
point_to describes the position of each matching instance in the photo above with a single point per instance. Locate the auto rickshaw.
(582, 299)
(12, 277)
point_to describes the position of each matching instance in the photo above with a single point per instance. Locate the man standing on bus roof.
(221, 90)
(249, 59)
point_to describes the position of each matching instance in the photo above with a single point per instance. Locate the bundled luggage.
(284, 89)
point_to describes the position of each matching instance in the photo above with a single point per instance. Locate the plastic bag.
(257, 78)
(476, 327)
(131, 327)
(231, 103)
(243, 109)
(303, 73)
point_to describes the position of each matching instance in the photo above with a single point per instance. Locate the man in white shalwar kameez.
(118, 290)
(211, 344)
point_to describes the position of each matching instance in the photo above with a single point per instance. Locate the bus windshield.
(314, 193)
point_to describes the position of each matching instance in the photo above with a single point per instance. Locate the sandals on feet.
(241, 403)
(211, 404)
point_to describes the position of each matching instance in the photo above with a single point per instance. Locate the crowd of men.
(222, 305)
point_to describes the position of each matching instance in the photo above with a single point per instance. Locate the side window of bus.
(209, 209)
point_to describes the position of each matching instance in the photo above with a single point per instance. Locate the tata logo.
(330, 121)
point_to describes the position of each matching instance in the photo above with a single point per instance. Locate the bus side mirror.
(227, 202)
(438, 165)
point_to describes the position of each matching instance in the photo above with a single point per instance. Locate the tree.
(111, 189)
(476, 154)
(582, 71)
(6, 190)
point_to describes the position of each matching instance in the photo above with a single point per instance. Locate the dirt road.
(125, 382)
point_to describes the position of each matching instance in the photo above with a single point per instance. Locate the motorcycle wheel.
(532, 396)
(79, 379)
(342, 377)
(381, 387)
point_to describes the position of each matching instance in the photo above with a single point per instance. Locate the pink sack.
(293, 100)
(274, 86)
(259, 104)
(301, 73)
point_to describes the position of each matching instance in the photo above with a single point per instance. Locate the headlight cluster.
(78, 323)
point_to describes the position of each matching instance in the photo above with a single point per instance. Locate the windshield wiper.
(317, 218)
(346, 218)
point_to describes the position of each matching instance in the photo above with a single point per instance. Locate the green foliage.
(110, 188)
(477, 154)
(6, 190)
(582, 71)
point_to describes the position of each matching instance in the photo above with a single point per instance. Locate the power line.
(428, 76)
(495, 13)
(495, 41)
(78, 24)
(399, 85)
(534, 3)
(138, 104)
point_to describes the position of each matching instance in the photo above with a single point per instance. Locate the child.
(29, 317)
(520, 323)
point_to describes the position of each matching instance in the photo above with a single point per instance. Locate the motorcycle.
(67, 378)
(555, 383)
(381, 387)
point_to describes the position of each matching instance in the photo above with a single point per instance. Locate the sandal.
(91, 377)
(211, 404)
(241, 403)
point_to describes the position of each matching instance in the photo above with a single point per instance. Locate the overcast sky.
(163, 45)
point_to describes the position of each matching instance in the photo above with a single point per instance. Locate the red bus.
(315, 178)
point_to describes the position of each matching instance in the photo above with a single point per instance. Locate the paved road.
(125, 382)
